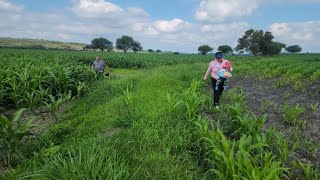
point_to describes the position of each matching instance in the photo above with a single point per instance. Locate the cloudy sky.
(175, 25)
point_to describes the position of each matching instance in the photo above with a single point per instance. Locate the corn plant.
(298, 86)
(128, 96)
(311, 148)
(12, 131)
(53, 105)
(314, 107)
(81, 87)
(172, 102)
(291, 114)
(265, 104)
(243, 159)
(248, 125)
(309, 172)
(191, 100)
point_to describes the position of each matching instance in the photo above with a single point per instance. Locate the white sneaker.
(217, 107)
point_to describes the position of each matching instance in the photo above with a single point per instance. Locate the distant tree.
(176, 53)
(86, 47)
(124, 43)
(259, 43)
(158, 51)
(274, 48)
(293, 49)
(204, 49)
(101, 43)
(150, 50)
(225, 49)
(136, 46)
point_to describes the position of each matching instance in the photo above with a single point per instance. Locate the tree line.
(124, 43)
(255, 42)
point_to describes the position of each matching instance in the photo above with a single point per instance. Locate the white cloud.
(103, 9)
(7, 6)
(219, 10)
(94, 8)
(279, 29)
(170, 26)
(150, 31)
(228, 33)
(225, 27)
(305, 34)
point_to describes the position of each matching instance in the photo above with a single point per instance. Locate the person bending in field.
(100, 66)
(220, 70)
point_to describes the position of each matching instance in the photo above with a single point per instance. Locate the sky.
(168, 25)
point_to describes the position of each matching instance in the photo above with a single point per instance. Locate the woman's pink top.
(214, 68)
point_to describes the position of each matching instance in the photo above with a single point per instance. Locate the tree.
(275, 48)
(86, 47)
(150, 50)
(293, 49)
(204, 49)
(124, 43)
(158, 51)
(259, 43)
(101, 43)
(225, 49)
(136, 46)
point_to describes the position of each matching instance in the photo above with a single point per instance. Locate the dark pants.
(217, 91)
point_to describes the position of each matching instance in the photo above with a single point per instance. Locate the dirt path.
(263, 98)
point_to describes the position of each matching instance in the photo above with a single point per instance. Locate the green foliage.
(154, 144)
(53, 106)
(259, 43)
(192, 100)
(11, 133)
(95, 161)
(293, 49)
(291, 114)
(124, 43)
(205, 49)
(136, 46)
(225, 49)
(101, 43)
(314, 107)
(27, 78)
(309, 171)
(169, 132)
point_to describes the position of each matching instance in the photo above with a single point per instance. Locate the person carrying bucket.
(220, 70)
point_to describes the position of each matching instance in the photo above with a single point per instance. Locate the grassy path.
(125, 128)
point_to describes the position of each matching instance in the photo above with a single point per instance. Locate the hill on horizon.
(29, 43)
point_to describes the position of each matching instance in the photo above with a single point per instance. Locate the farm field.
(154, 118)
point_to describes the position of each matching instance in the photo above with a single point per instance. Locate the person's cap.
(218, 55)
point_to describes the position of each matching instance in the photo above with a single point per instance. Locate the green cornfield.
(154, 117)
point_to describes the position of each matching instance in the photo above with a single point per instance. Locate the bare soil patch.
(264, 98)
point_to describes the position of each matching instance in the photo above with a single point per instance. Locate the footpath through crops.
(155, 118)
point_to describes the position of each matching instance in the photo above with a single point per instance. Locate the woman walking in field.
(220, 70)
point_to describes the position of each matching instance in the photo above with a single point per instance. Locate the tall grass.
(148, 143)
